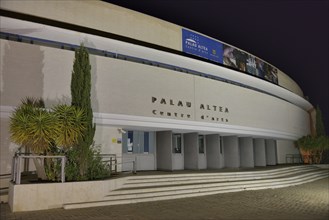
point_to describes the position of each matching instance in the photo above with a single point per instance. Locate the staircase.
(147, 188)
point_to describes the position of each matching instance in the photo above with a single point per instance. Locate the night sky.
(291, 35)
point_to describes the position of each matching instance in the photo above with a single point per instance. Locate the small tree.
(320, 129)
(33, 126)
(311, 147)
(81, 91)
(39, 129)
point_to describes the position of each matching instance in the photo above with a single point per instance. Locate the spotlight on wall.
(121, 131)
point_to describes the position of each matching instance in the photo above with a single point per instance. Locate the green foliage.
(33, 127)
(96, 169)
(42, 130)
(34, 102)
(320, 129)
(53, 169)
(315, 146)
(313, 143)
(71, 122)
(72, 169)
(81, 78)
(38, 128)
(80, 92)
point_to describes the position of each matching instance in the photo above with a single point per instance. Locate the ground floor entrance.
(169, 150)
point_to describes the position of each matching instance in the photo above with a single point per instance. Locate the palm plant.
(313, 147)
(33, 126)
(39, 129)
(71, 122)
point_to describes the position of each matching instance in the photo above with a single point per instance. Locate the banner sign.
(248, 63)
(199, 45)
(202, 46)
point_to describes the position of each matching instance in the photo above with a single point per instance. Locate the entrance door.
(138, 146)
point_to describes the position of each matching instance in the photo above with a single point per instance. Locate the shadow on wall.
(22, 75)
(93, 63)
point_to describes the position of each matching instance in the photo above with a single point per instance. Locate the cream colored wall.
(106, 138)
(29, 197)
(133, 86)
(37, 71)
(285, 147)
(7, 149)
(34, 71)
(114, 19)
(127, 88)
(103, 16)
(286, 82)
(249, 108)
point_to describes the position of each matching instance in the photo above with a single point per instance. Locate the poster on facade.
(235, 58)
(199, 45)
(271, 73)
(248, 63)
(251, 65)
(266, 71)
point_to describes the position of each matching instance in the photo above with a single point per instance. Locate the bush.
(96, 168)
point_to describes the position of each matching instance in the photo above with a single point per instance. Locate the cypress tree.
(320, 129)
(81, 92)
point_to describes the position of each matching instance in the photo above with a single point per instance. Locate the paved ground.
(307, 201)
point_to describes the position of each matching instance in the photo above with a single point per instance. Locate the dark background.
(291, 35)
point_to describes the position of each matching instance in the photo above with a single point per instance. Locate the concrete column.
(202, 157)
(259, 152)
(178, 158)
(231, 149)
(215, 154)
(164, 150)
(271, 158)
(191, 151)
(284, 147)
(246, 152)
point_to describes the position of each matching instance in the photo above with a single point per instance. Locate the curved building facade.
(168, 97)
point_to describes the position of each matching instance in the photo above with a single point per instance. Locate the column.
(271, 158)
(231, 152)
(164, 150)
(259, 152)
(246, 152)
(191, 151)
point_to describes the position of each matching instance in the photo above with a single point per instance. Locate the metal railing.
(293, 158)
(112, 160)
(16, 171)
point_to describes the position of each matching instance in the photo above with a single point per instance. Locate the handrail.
(16, 171)
(134, 165)
(293, 158)
(113, 160)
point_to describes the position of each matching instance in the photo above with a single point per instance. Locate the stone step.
(215, 174)
(196, 179)
(177, 188)
(126, 196)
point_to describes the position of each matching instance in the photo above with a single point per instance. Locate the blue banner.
(202, 46)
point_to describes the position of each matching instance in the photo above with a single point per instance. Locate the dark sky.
(291, 35)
